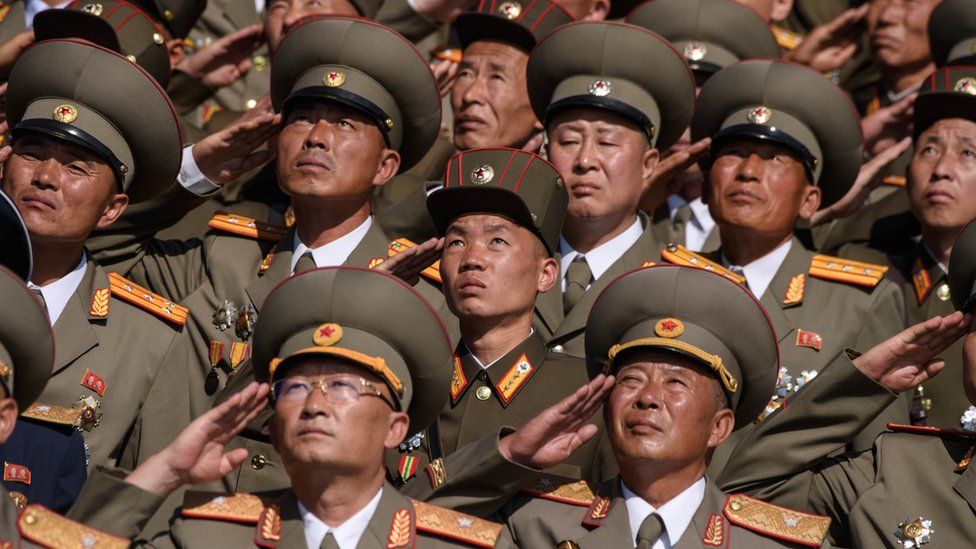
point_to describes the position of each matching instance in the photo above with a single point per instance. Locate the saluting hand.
(551, 437)
(661, 184)
(225, 60)
(910, 358)
(231, 152)
(832, 44)
(408, 264)
(197, 455)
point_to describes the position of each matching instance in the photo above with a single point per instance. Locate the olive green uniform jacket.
(665, 230)
(904, 476)
(124, 364)
(513, 390)
(941, 401)
(596, 517)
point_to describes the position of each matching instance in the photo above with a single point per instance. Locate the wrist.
(155, 475)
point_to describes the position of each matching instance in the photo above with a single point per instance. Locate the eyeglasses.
(335, 390)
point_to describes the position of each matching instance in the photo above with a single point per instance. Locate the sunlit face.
(942, 176)
(898, 32)
(281, 15)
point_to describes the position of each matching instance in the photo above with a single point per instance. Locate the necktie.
(329, 541)
(650, 530)
(681, 217)
(578, 277)
(738, 270)
(305, 263)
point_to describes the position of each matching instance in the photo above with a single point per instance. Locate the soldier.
(500, 212)
(687, 377)
(939, 177)
(710, 34)
(82, 149)
(610, 95)
(785, 144)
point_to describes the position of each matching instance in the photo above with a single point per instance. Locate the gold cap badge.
(94, 9)
(334, 79)
(510, 10)
(759, 115)
(600, 88)
(965, 85)
(695, 51)
(327, 334)
(669, 327)
(482, 175)
(65, 113)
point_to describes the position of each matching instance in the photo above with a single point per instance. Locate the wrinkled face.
(283, 14)
(62, 190)
(490, 99)
(604, 159)
(898, 32)
(759, 186)
(345, 437)
(493, 268)
(329, 151)
(942, 176)
(665, 407)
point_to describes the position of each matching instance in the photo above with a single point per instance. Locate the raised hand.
(832, 44)
(910, 358)
(552, 436)
(11, 49)
(197, 455)
(661, 185)
(225, 60)
(886, 127)
(408, 264)
(231, 152)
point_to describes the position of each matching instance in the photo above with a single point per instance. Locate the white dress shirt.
(346, 534)
(698, 227)
(191, 177)
(57, 293)
(492, 363)
(941, 265)
(334, 253)
(603, 256)
(760, 272)
(675, 514)
(33, 7)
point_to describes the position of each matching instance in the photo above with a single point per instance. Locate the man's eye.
(455, 243)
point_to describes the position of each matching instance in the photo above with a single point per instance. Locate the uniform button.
(483, 393)
(260, 62)
(251, 103)
(258, 462)
(556, 348)
(942, 292)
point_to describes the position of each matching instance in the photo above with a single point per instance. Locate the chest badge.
(914, 532)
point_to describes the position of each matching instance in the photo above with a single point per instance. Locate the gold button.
(258, 462)
(168, 15)
(158, 39)
(30, 518)
(260, 62)
(942, 292)
(926, 404)
(483, 393)
(251, 103)
(735, 506)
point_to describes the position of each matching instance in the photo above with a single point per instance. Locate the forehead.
(323, 365)
(483, 222)
(946, 127)
(758, 146)
(592, 119)
(487, 51)
(648, 359)
(35, 139)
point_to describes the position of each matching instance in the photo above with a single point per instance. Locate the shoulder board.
(895, 181)
(156, 304)
(787, 39)
(245, 226)
(679, 255)
(433, 272)
(49, 529)
(563, 490)
(454, 525)
(838, 269)
(930, 431)
(245, 508)
(52, 414)
(778, 522)
(4, 10)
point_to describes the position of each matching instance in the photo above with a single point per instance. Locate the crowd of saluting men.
(567, 274)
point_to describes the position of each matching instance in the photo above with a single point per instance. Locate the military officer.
(610, 96)
(687, 376)
(82, 144)
(710, 34)
(938, 181)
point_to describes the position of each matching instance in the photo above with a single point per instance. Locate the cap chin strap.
(712, 361)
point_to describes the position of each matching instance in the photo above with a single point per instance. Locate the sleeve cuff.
(192, 178)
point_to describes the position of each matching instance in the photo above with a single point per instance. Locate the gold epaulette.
(775, 521)
(156, 304)
(931, 431)
(679, 255)
(563, 490)
(433, 272)
(245, 226)
(838, 269)
(454, 525)
(787, 39)
(52, 414)
(895, 181)
(49, 529)
(244, 508)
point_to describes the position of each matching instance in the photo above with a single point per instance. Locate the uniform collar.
(507, 376)
(334, 253)
(926, 273)
(603, 256)
(676, 513)
(57, 293)
(347, 534)
(760, 272)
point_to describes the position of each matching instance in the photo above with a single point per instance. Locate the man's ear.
(176, 49)
(388, 167)
(548, 275)
(598, 11)
(8, 418)
(722, 425)
(810, 202)
(399, 423)
(113, 210)
(649, 163)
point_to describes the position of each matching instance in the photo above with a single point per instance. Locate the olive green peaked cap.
(26, 341)
(366, 318)
(962, 269)
(792, 106)
(622, 68)
(97, 99)
(118, 25)
(516, 184)
(179, 16)
(364, 65)
(696, 313)
(949, 92)
(952, 33)
(510, 21)
(15, 247)
(710, 34)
